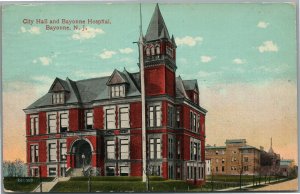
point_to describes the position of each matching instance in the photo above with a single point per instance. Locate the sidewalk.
(248, 186)
(291, 185)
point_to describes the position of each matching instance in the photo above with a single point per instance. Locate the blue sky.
(242, 54)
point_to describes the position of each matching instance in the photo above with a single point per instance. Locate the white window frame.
(124, 117)
(89, 119)
(110, 149)
(52, 167)
(52, 151)
(117, 91)
(34, 153)
(124, 149)
(52, 128)
(155, 115)
(113, 117)
(62, 125)
(34, 125)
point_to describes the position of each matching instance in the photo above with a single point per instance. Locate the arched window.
(148, 51)
(157, 50)
(152, 51)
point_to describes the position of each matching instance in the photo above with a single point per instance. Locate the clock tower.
(159, 57)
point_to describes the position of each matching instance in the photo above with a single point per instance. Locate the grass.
(121, 184)
(22, 184)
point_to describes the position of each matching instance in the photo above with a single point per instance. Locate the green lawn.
(121, 184)
(22, 184)
(236, 178)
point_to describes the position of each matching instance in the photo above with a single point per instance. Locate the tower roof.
(157, 28)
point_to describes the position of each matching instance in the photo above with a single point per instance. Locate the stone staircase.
(76, 172)
(47, 186)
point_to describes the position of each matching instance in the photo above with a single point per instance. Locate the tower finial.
(271, 142)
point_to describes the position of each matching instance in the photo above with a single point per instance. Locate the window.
(154, 116)
(34, 153)
(157, 50)
(34, 172)
(63, 171)
(171, 172)
(155, 171)
(124, 170)
(217, 152)
(124, 117)
(64, 122)
(245, 168)
(89, 120)
(223, 168)
(198, 124)
(63, 151)
(171, 148)
(124, 149)
(223, 160)
(58, 98)
(178, 149)
(195, 151)
(110, 171)
(52, 152)
(34, 125)
(169, 51)
(178, 117)
(52, 123)
(193, 121)
(217, 160)
(148, 51)
(217, 169)
(52, 171)
(118, 91)
(110, 119)
(155, 148)
(170, 116)
(152, 51)
(110, 149)
(246, 159)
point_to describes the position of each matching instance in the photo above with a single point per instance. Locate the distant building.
(207, 167)
(239, 158)
(287, 167)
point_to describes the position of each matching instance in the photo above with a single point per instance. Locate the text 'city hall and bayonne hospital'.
(96, 123)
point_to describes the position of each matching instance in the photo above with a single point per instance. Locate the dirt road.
(291, 185)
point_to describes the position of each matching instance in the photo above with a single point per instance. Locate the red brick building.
(96, 123)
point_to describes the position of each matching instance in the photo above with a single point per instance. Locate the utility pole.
(141, 57)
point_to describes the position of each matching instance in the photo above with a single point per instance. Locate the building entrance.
(82, 153)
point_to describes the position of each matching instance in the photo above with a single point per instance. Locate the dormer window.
(117, 91)
(58, 98)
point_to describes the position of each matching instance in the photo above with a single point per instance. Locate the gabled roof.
(59, 85)
(117, 77)
(157, 28)
(180, 90)
(89, 90)
(190, 84)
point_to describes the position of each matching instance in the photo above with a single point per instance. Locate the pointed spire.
(173, 40)
(271, 151)
(157, 28)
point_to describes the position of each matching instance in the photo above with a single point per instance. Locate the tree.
(15, 168)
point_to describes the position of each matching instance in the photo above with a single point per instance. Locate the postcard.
(157, 97)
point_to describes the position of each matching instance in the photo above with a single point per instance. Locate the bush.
(107, 178)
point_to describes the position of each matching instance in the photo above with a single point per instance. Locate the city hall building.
(96, 123)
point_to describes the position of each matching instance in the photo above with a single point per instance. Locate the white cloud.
(34, 61)
(262, 24)
(188, 40)
(87, 34)
(126, 50)
(238, 61)
(45, 60)
(206, 59)
(86, 75)
(107, 54)
(32, 30)
(43, 79)
(268, 46)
